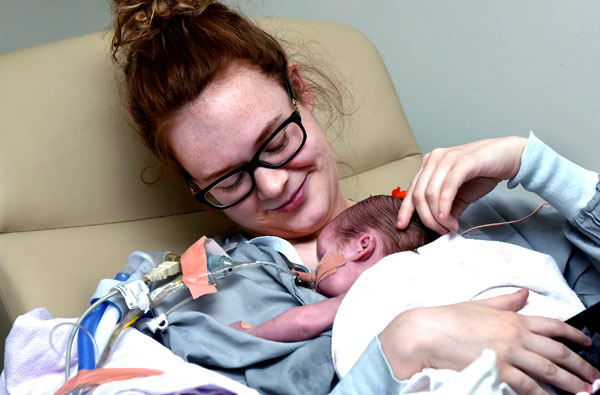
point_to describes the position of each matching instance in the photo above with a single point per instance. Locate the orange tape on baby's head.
(195, 270)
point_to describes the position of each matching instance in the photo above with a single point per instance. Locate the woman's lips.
(296, 200)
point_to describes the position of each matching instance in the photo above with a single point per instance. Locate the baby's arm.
(296, 324)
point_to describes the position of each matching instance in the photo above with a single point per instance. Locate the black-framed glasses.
(280, 148)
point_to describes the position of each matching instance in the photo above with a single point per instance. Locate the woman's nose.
(270, 183)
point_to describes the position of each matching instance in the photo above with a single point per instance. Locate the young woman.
(216, 97)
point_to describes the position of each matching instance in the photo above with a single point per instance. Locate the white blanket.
(32, 367)
(452, 269)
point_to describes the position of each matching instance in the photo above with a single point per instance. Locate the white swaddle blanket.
(449, 270)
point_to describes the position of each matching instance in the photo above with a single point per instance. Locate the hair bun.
(135, 20)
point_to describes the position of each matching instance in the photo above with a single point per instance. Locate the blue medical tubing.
(86, 354)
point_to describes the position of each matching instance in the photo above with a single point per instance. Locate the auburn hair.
(379, 214)
(172, 50)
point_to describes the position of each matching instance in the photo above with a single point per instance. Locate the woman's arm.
(448, 181)
(524, 347)
(566, 186)
(415, 339)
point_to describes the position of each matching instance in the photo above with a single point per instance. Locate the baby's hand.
(241, 326)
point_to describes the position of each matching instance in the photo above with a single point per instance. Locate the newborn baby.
(350, 244)
(407, 269)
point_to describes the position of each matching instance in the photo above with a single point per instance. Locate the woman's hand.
(452, 178)
(453, 336)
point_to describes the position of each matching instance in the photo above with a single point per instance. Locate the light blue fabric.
(199, 331)
(569, 231)
(371, 374)
(565, 185)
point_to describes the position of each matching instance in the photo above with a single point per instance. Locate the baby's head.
(365, 233)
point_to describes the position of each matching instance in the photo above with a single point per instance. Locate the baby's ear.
(363, 248)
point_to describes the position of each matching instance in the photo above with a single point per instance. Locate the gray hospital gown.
(199, 331)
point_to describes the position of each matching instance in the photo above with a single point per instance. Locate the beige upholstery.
(72, 202)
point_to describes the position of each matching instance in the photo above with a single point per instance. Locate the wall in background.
(29, 22)
(464, 70)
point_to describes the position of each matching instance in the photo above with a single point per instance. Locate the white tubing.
(106, 326)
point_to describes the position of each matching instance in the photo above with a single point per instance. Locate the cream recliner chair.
(72, 201)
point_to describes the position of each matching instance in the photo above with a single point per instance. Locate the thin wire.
(189, 299)
(265, 263)
(127, 325)
(77, 325)
(178, 305)
(80, 327)
(507, 222)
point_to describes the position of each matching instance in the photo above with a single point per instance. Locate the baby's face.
(326, 242)
(343, 277)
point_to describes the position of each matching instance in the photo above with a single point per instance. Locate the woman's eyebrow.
(267, 130)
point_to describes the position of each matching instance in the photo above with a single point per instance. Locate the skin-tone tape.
(328, 265)
(195, 270)
(245, 325)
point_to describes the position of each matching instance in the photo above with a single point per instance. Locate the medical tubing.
(107, 324)
(507, 222)
(276, 266)
(178, 305)
(76, 327)
(189, 299)
(221, 267)
(157, 295)
(86, 356)
(67, 323)
(110, 318)
(129, 318)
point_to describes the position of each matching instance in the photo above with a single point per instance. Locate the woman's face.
(225, 126)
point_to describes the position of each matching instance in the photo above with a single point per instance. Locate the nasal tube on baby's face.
(327, 285)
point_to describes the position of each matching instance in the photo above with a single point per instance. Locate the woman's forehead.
(229, 118)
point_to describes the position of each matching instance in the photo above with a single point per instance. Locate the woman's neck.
(307, 250)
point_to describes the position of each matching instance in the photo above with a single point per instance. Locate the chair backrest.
(72, 201)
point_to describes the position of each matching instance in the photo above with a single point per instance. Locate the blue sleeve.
(370, 375)
(565, 185)
(575, 193)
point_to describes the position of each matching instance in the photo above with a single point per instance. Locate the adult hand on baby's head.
(450, 179)
(453, 336)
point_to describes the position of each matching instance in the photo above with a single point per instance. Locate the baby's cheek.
(333, 285)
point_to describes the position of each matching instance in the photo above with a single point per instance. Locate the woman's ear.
(362, 248)
(303, 92)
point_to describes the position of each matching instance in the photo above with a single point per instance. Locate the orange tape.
(104, 375)
(195, 270)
